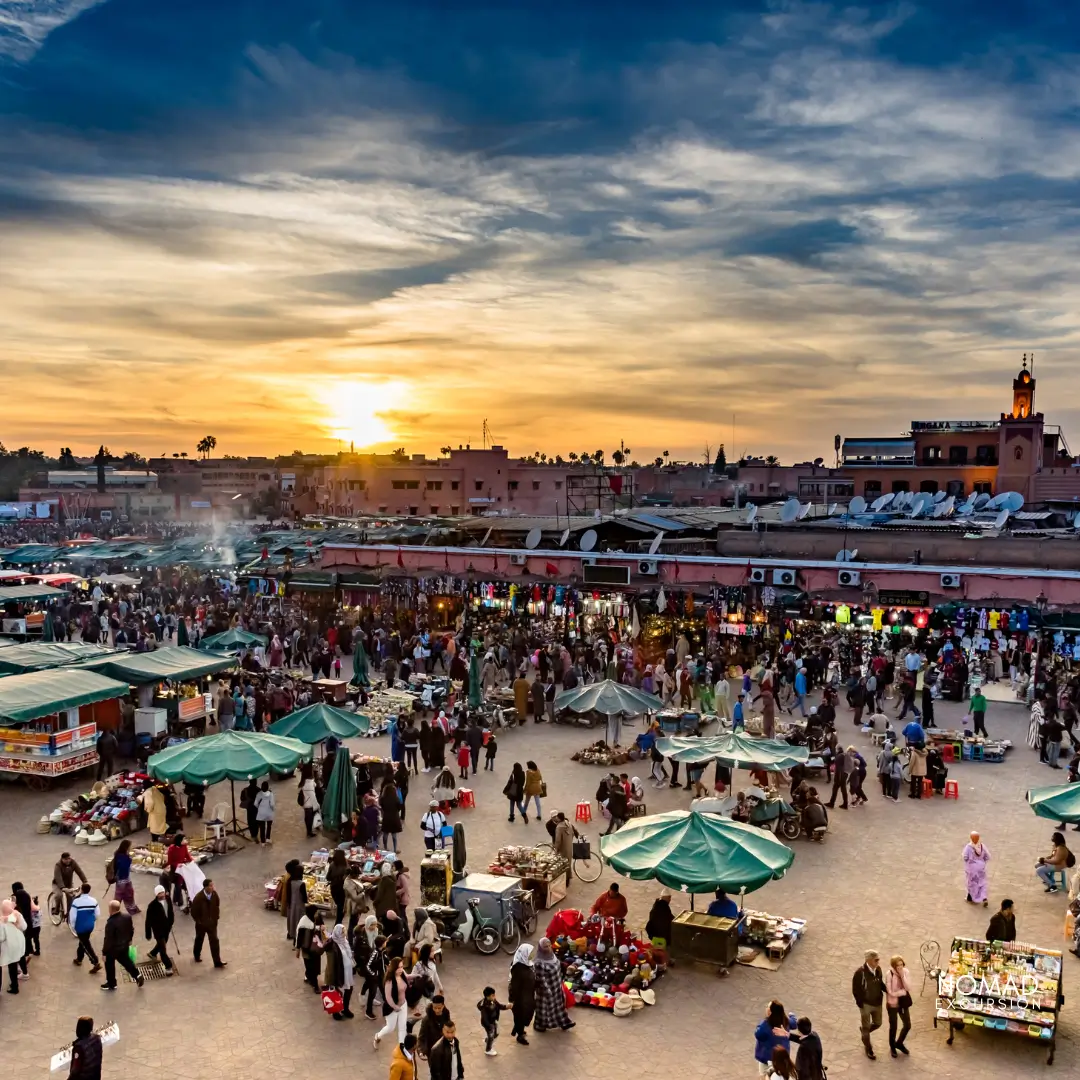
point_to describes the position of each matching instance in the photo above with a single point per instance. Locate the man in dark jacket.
(474, 736)
(119, 934)
(843, 764)
(808, 1060)
(1002, 923)
(868, 990)
(444, 1059)
(206, 911)
(430, 1030)
(538, 699)
(106, 748)
(159, 924)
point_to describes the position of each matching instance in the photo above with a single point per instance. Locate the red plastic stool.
(947, 753)
(465, 798)
(927, 788)
(584, 811)
(952, 789)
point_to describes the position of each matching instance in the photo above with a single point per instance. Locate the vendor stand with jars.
(540, 869)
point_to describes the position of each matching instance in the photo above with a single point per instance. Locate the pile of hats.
(632, 1001)
(110, 807)
(596, 974)
(93, 837)
(599, 753)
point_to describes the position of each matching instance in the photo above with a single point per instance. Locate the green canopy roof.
(230, 755)
(39, 655)
(32, 554)
(319, 722)
(736, 750)
(696, 853)
(172, 662)
(1057, 803)
(12, 593)
(607, 697)
(42, 693)
(232, 639)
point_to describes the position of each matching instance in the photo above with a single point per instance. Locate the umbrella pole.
(232, 790)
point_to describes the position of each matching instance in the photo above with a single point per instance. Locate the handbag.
(332, 1001)
(543, 789)
(447, 831)
(904, 1001)
(582, 850)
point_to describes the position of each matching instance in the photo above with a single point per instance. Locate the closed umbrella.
(1057, 803)
(697, 853)
(229, 755)
(736, 750)
(340, 798)
(319, 722)
(181, 632)
(48, 632)
(476, 696)
(360, 676)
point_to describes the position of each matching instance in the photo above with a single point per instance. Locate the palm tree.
(444, 450)
(598, 457)
(772, 460)
(617, 456)
(573, 457)
(205, 445)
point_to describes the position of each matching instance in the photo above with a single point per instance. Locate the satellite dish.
(654, 547)
(887, 498)
(843, 555)
(588, 540)
(981, 500)
(533, 539)
(751, 515)
(902, 500)
(565, 536)
(995, 502)
(967, 506)
(1076, 522)
(857, 505)
(949, 505)
(804, 510)
(939, 496)
(486, 536)
(833, 509)
(790, 511)
(854, 552)
(937, 510)
(999, 521)
(1012, 501)
(879, 503)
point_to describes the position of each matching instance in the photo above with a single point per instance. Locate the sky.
(300, 225)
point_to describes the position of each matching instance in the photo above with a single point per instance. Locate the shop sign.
(903, 598)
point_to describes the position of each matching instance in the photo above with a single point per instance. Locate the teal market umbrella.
(48, 632)
(231, 640)
(229, 755)
(608, 697)
(181, 631)
(339, 801)
(476, 696)
(697, 853)
(361, 675)
(1057, 803)
(736, 750)
(319, 722)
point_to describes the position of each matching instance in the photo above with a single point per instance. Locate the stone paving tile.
(888, 876)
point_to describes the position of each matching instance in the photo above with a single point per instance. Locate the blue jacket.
(766, 1042)
(800, 683)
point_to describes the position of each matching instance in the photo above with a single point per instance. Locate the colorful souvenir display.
(111, 805)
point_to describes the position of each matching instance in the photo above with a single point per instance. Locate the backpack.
(110, 871)
(1070, 860)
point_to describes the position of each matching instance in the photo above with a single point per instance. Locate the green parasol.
(181, 632)
(476, 696)
(736, 750)
(319, 722)
(1057, 803)
(608, 697)
(231, 640)
(360, 676)
(48, 631)
(230, 755)
(340, 798)
(696, 853)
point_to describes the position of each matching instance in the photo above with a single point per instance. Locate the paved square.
(889, 876)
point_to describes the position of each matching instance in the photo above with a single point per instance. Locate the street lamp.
(1040, 603)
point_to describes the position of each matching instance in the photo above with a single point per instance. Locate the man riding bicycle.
(64, 878)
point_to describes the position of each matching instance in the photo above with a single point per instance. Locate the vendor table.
(489, 889)
(40, 756)
(541, 869)
(773, 935)
(705, 938)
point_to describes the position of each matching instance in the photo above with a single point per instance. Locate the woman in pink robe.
(976, 856)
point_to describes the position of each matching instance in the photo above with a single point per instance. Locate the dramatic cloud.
(799, 217)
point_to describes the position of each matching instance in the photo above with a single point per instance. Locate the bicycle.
(59, 904)
(488, 934)
(521, 921)
(587, 863)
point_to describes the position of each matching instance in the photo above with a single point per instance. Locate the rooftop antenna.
(486, 434)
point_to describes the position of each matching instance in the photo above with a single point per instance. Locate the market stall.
(610, 701)
(229, 755)
(41, 655)
(49, 722)
(736, 750)
(385, 705)
(1002, 986)
(111, 806)
(232, 641)
(765, 940)
(967, 747)
(314, 869)
(540, 869)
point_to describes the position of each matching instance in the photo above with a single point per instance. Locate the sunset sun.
(355, 411)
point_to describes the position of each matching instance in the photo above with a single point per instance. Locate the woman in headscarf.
(425, 932)
(658, 928)
(550, 1001)
(522, 992)
(425, 978)
(338, 970)
(364, 944)
(515, 792)
(976, 855)
(425, 744)
(437, 747)
(386, 891)
(296, 897)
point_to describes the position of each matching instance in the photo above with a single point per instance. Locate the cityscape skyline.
(310, 225)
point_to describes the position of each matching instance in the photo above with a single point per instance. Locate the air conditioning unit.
(589, 561)
(757, 576)
(849, 578)
(648, 567)
(783, 577)
(950, 581)
(518, 559)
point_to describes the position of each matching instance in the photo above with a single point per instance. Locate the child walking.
(463, 761)
(490, 752)
(489, 1019)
